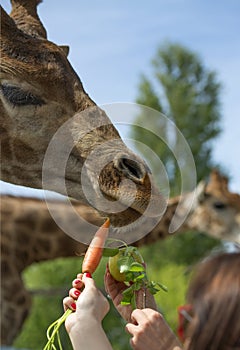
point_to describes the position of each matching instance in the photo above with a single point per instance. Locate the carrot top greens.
(130, 264)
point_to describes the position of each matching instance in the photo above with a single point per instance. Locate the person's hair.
(214, 294)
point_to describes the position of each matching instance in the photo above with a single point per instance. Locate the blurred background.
(180, 57)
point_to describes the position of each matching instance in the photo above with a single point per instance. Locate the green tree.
(183, 89)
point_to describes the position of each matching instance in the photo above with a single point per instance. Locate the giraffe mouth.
(132, 226)
(132, 223)
(151, 208)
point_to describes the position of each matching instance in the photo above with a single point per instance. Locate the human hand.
(89, 303)
(115, 289)
(150, 331)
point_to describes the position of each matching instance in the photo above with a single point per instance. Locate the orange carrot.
(94, 252)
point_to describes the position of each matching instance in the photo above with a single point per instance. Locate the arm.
(85, 325)
(150, 331)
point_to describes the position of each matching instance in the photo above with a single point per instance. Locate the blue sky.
(112, 43)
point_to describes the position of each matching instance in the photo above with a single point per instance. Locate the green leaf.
(127, 297)
(133, 302)
(136, 267)
(126, 302)
(129, 276)
(153, 287)
(107, 252)
(128, 291)
(153, 290)
(163, 287)
(138, 285)
(140, 277)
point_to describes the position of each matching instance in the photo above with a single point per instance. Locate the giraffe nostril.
(131, 168)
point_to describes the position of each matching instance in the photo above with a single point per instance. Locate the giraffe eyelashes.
(18, 97)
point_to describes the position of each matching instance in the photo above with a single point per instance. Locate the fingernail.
(76, 281)
(73, 306)
(88, 275)
(77, 293)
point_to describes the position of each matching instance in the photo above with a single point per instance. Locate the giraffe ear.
(65, 49)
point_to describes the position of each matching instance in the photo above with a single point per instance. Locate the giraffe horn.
(24, 13)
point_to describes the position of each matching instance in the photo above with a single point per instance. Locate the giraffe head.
(39, 93)
(216, 210)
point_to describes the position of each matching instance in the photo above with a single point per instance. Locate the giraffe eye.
(219, 205)
(18, 97)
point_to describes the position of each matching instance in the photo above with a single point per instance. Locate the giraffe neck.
(161, 230)
(32, 235)
(29, 233)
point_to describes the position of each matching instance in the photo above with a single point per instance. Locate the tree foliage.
(183, 89)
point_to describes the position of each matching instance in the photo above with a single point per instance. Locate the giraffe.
(41, 95)
(29, 234)
(215, 211)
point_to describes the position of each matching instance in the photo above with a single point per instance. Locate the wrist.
(89, 334)
(84, 323)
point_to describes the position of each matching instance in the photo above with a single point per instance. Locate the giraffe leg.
(15, 304)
